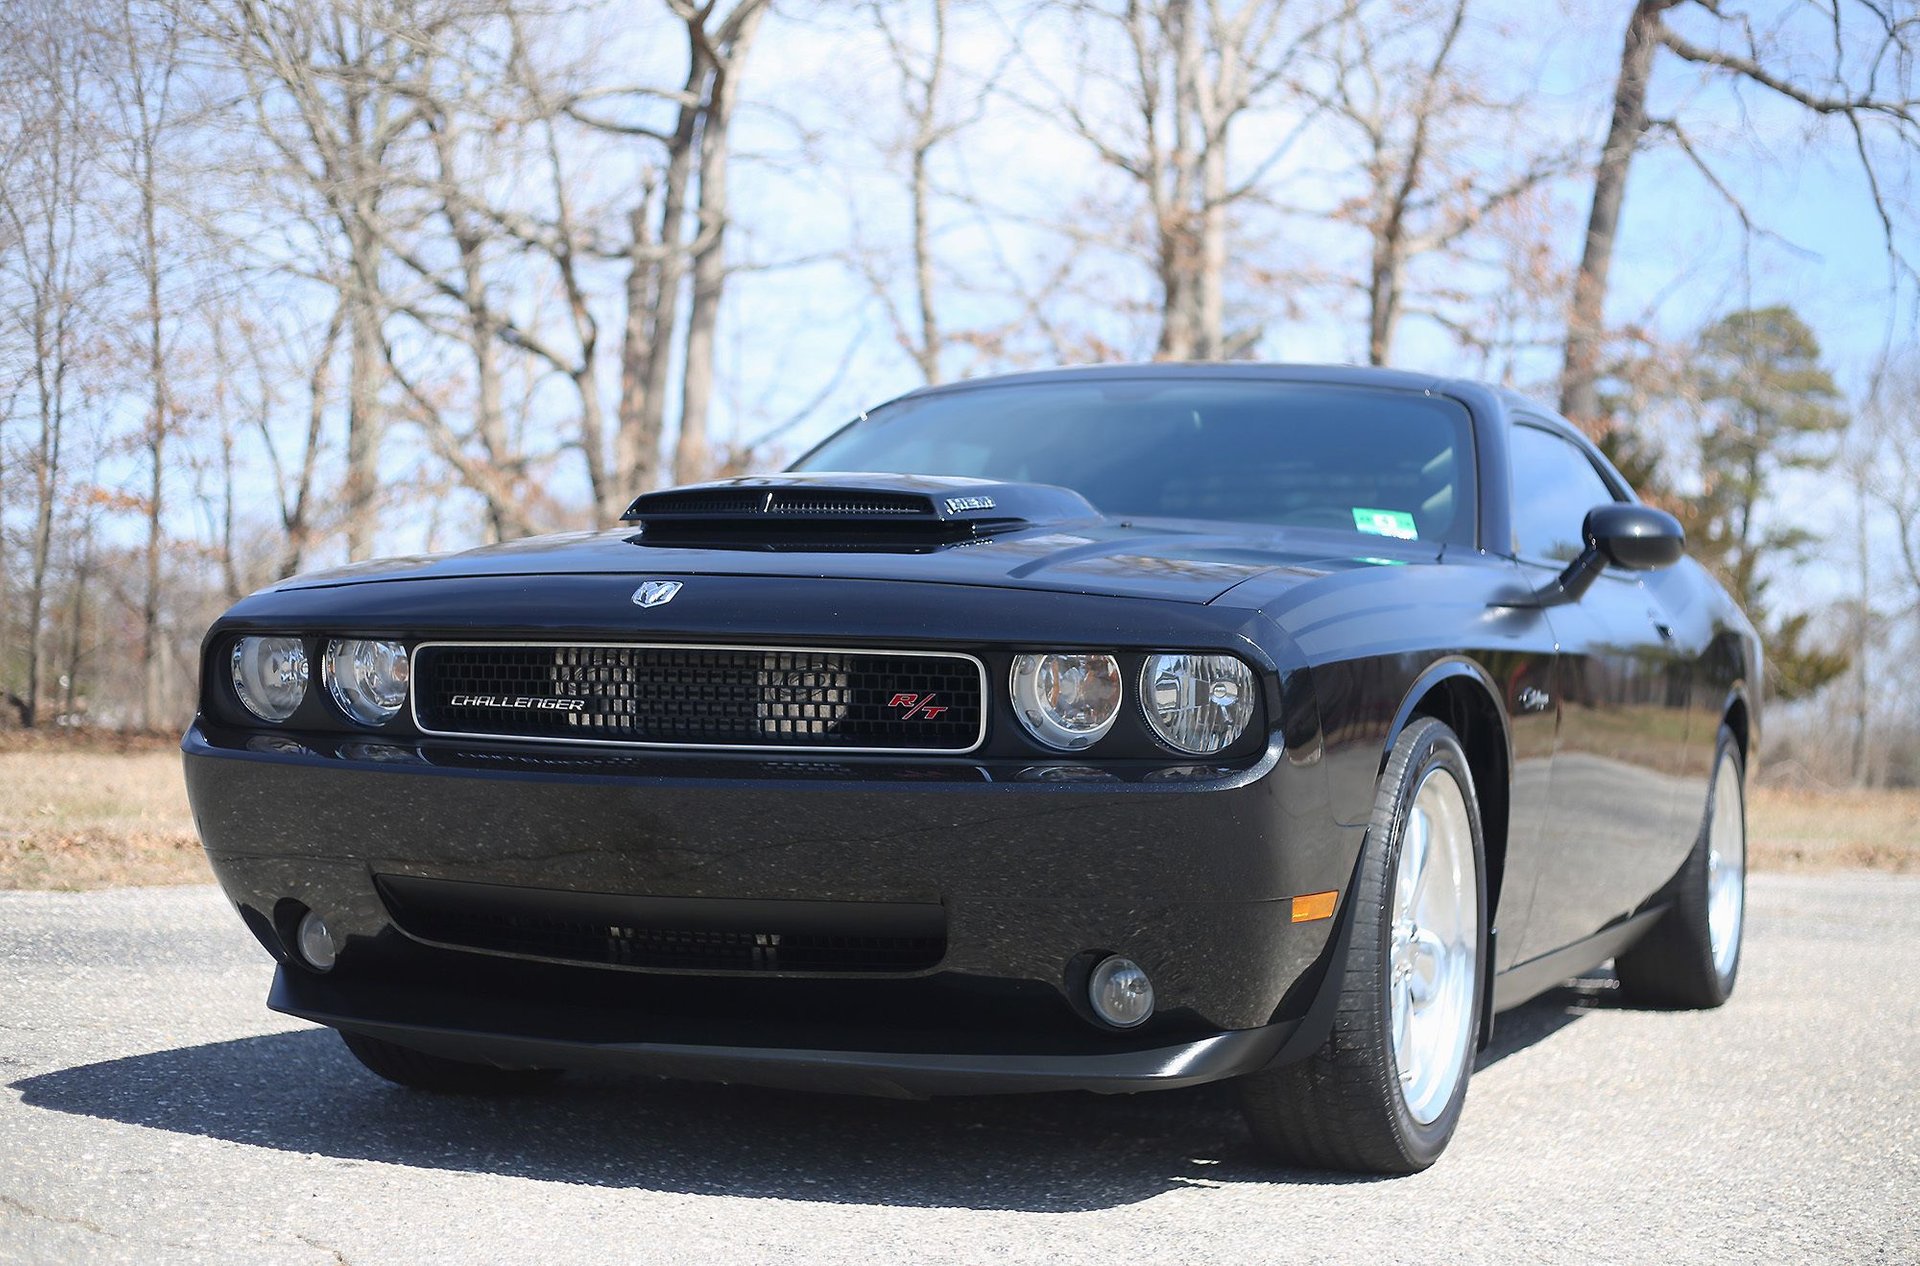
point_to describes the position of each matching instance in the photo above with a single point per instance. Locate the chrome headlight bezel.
(1035, 682)
(270, 675)
(1198, 703)
(368, 679)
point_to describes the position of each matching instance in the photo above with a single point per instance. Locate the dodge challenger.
(1106, 729)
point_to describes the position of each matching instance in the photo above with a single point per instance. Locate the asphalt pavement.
(152, 1110)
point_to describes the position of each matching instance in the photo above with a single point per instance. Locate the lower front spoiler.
(891, 1074)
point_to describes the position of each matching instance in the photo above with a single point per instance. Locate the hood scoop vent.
(856, 512)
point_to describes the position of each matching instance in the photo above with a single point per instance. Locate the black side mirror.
(1620, 533)
(1636, 537)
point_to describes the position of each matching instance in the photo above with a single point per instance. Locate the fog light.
(315, 942)
(1120, 992)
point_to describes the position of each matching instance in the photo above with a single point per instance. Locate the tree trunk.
(366, 351)
(299, 515)
(636, 458)
(1863, 631)
(1586, 322)
(693, 457)
(76, 629)
(159, 424)
(927, 354)
(638, 443)
(1177, 215)
(50, 370)
(1210, 340)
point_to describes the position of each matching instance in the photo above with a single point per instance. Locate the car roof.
(1341, 375)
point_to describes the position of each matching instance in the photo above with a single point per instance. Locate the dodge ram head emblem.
(655, 593)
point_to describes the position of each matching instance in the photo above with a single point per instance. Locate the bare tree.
(922, 81)
(939, 101)
(333, 88)
(1868, 89)
(1889, 466)
(144, 94)
(1195, 70)
(44, 203)
(1424, 125)
(723, 48)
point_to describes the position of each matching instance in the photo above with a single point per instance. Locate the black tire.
(418, 1070)
(1672, 965)
(1342, 1107)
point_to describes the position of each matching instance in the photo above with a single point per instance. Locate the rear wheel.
(1384, 1093)
(1691, 957)
(421, 1071)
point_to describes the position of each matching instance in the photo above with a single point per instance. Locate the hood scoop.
(849, 511)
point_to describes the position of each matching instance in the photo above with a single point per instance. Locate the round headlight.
(368, 680)
(270, 676)
(1066, 700)
(1197, 704)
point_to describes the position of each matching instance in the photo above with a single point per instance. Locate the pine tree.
(1769, 407)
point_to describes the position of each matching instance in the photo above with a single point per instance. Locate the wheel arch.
(1737, 715)
(1462, 694)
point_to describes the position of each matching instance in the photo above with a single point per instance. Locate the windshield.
(1359, 459)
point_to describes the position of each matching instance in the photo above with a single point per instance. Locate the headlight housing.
(1066, 700)
(1197, 704)
(367, 679)
(270, 676)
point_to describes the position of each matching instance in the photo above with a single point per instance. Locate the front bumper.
(1190, 877)
(528, 1034)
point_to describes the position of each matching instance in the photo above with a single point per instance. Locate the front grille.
(669, 933)
(702, 696)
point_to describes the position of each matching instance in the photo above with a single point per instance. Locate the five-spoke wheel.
(1383, 1094)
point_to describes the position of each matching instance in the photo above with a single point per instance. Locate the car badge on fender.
(655, 593)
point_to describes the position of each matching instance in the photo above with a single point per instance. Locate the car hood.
(1169, 560)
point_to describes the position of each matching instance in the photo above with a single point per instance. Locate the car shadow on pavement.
(1514, 1031)
(301, 1092)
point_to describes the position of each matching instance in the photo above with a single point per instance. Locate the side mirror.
(1620, 533)
(1636, 537)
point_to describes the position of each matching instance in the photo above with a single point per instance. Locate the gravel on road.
(152, 1110)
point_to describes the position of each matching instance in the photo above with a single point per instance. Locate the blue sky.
(802, 337)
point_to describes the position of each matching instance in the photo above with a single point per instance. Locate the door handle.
(1666, 631)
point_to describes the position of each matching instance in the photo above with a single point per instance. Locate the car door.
(1621, 695)
(1683, 613)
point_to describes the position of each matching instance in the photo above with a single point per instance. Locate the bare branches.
(1196, 70)
(1854, 92)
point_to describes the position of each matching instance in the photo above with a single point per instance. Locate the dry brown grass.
(1833, 830)
(74, 817)
(105, 811)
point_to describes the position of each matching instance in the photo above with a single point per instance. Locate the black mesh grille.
(702, 696)
(684, 934)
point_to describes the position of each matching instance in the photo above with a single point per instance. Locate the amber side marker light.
(1313, 907)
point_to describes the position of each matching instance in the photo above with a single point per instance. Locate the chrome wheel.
(1726, 869)
(1436, 946)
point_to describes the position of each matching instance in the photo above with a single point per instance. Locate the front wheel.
(1384, 1093)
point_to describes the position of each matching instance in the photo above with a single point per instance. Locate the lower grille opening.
(673, 933)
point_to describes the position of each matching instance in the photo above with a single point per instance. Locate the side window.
(1554, 485)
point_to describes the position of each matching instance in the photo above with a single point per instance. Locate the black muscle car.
(1109, 729)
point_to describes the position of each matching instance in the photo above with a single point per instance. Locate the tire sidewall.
(1433, 746)
(1726, 748)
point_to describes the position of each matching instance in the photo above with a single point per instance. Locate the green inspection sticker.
(1385, 523)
